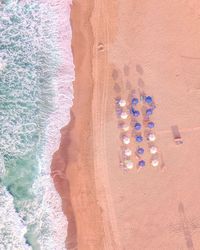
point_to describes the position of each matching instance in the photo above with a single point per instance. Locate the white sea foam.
(46, 209)
(2, 65)
(12, 229)
(51, 202)
(2, 166)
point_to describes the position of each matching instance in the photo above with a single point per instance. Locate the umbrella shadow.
(115, 77)
(141, 83)
(115, 74)
(126, 70)
(139, 69)
(128, 85)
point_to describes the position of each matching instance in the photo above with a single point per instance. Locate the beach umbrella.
(141, 163)
(153, 150)
(149, 111)
(137, 126)
(135, 113)
(151, 125)
(126, 140)
(140, 151)
(139, 138)
(151, 137)
(124, 115)
(129, 164)
(125, 127)
(135, 101)
(127, 152)
(155, 163)
(122, 103)
(148, 99)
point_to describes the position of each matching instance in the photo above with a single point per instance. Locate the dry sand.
(119, 46)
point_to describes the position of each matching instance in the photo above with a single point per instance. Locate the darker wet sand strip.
(74, 159)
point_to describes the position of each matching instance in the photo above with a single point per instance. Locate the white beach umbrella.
(152, 137)
(153, 150)
(126, 140)
(127, 152)
(129, 164)
(124, 115)
(155, 163)
(122, 103)
(125, 127)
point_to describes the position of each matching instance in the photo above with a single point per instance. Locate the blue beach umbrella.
(135, 101)
(148, 99)
(139, 138)
(141, 163)
(149, 111)
(140, 151)
(151, 125)
(135, 113)
(137, 126)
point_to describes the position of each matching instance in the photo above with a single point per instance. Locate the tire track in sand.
(99, 107)
(185, 227)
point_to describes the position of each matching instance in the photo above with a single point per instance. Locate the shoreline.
(74, 159)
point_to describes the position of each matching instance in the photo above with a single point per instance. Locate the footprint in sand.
(100, 47)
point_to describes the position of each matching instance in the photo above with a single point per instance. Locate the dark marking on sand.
(117, 88)
(133, 92)
(141, 83)
(195, 223)
(115, 74)
(139, 69)
(185, 227)
(190, 57)
(128, 85)
(118, 112)
(126, 70)
(162, 164)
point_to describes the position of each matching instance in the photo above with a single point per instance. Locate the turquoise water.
(29, 59)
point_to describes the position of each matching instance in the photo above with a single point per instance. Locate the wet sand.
(119, 47)
(75, 156)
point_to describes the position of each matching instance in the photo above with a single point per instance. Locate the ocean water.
(36, 74)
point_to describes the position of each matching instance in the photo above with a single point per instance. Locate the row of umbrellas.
(139, 138)
(134, 111)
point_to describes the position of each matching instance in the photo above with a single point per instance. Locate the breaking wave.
(36, 74)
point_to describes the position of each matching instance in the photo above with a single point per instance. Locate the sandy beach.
(120, 47)
(74, 160)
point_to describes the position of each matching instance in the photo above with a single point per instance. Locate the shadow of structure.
(185, 227)
(176, 135)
